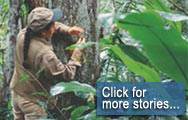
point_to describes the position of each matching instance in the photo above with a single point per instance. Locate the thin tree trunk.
(14, 25)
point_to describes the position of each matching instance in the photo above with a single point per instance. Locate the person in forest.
(34, 54)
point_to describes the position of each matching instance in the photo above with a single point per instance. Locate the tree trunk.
(14, 25)
(35, 3)
(82, 13)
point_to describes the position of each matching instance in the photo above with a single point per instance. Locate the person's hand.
(81, 40)
(75, 31)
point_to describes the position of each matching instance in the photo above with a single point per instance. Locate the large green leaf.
(134, 53)
(160, 5)
(148, 73)
(163, 45)
(74, 86)
(156, 5)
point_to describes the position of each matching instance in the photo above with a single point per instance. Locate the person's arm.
(54, 67)
(61, 28)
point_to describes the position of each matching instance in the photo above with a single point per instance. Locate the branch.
(179, 8)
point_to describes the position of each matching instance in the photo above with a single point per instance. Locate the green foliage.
(74, 86)
(158, 31)
(24, 12)
(24, 78)
(163, 44)
(39, 71)
(148, 73)
(77, 112)
(6, 111)
(80, 46)
(39, 93)
(80, 89)
(160, 5)
(156, 5)
(4, 9)
(134, 53)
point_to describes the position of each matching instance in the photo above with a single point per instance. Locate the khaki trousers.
(26, 110)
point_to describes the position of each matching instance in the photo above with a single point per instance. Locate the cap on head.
(40, 17)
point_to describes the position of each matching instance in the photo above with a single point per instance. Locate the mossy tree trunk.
(14, 25)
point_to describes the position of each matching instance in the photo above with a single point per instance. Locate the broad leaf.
(74, 86)
(164, 46)
(77, 112)
(134, 53)
(156, 5)
(148, 73)
(81, 46)
(160, 5)
(105, 41)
